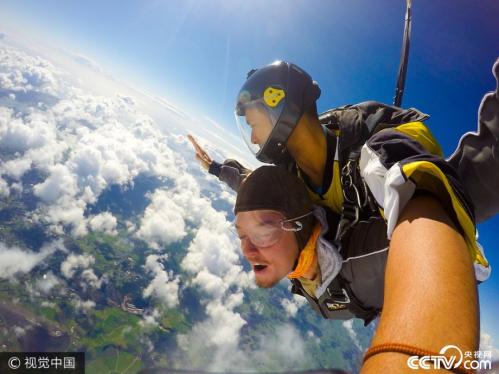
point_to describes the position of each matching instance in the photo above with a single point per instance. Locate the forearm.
(430, 296)
(230, 172)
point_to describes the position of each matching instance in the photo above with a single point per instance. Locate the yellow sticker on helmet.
(273, 96)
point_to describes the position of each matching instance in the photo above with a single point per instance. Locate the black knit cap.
(274, 188)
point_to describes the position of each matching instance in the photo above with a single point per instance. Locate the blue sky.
(197, 54)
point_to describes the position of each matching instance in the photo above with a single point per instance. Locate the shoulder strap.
(340, 292)
(357, 122)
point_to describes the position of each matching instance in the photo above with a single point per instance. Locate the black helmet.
(275, 97)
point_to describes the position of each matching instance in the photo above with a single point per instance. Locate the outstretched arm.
(230, 171)
(430, 296)
(201, 155)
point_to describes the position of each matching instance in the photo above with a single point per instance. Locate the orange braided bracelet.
(408, 350)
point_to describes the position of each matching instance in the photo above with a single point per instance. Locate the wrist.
(215, 168)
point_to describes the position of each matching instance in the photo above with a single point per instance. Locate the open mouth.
(259, 267)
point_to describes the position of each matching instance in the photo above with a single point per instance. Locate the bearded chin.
(265, 284)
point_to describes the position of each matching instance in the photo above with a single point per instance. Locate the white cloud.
(83, 143)
(285, 345)
(290, 307)
(23, 73)
(130, 226)
(280, 350)
(68, 212)
(73, 262)
(164, 286)
(213, 249)
(311, 335)
(163, 221)
(228, 195)
(14, 260)
(83, 305)
(4, 188)
(16, 168)
(19, 331)
(213, 258)
(150, 319)
(16, 135)
(60, 182)
(214, 261)
(211, 283)
(92, 279)
(104, 222)
(221, 329)
(487, 343)
(82, 59)
(183, 342)
(47, 282)
(348, 325)
(16, 187)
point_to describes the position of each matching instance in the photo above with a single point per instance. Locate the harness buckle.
(349, 216)
(337, 298)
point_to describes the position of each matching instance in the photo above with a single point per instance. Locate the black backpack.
(355, 124)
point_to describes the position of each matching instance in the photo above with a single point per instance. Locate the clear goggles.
(256, 120)
(264, 228)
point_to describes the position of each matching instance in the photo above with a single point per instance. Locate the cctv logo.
(441, 361)
(446, 362)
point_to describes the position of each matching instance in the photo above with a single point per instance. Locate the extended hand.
(201, 154)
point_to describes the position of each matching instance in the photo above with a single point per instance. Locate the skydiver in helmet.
(373, 160)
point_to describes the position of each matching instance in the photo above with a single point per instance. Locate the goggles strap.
(294, 220)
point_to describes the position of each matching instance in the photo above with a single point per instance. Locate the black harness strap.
(339, 296)
(340, 292)
(357, 199)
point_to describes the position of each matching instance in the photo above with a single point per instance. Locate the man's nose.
(254, 139)
(248, 247)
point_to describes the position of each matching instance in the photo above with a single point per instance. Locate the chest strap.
(340, 292)
(338, 296)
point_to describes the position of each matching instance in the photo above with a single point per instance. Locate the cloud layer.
(15, 260)
(80, 144)
(65, 147)
(164, 286)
